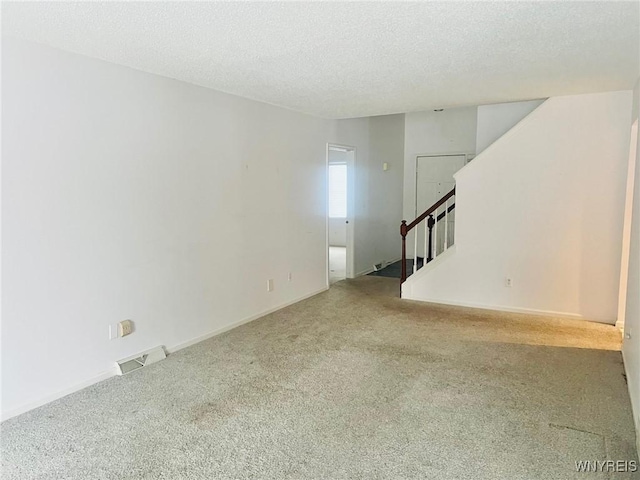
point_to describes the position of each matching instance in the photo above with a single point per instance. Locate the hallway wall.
(127, 195)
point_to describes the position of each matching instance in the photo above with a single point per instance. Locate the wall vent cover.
(132, 364)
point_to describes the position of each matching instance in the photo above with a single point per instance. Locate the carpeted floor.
(352, 383)
(337, 264)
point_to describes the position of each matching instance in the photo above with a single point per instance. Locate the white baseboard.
(501, 308)
(59, 394)
(393, 261)
(113, 371)
(371, 270)
(233, 325)
(364, 272)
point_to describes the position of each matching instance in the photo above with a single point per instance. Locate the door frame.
(351, 168)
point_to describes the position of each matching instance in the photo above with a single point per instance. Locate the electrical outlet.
(270, 285)
(125, 328)
(508, 282)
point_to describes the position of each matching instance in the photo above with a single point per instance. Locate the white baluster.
(446, 226)
(415, 251)
(435, 236)
(426, 238)
(453, 222)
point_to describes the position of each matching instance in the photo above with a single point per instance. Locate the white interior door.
(434, 179)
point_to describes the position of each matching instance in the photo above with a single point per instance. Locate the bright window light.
(337, 191)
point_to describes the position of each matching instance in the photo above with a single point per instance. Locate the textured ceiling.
(355, 59)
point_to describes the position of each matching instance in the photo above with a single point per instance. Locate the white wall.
(544, 206)
(496, 120)
(127, 195)
(385, 187)
(432, 133)
(378, 193)
(132, 196)
(631, 345)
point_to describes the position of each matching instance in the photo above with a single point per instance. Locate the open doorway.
(340, 168)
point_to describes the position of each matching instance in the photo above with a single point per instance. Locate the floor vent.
(379, 266)
(131, 364)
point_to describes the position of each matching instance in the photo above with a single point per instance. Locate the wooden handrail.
(405, 229)
(431, 209)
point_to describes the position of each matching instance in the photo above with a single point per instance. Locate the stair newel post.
(430, 223)
(403, 232)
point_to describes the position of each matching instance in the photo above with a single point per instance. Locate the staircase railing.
(431, 249)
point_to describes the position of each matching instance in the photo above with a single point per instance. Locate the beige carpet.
(352, 383)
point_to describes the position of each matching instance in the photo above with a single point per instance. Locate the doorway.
(340, 168)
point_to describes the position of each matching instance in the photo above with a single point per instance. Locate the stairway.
(538, 216)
